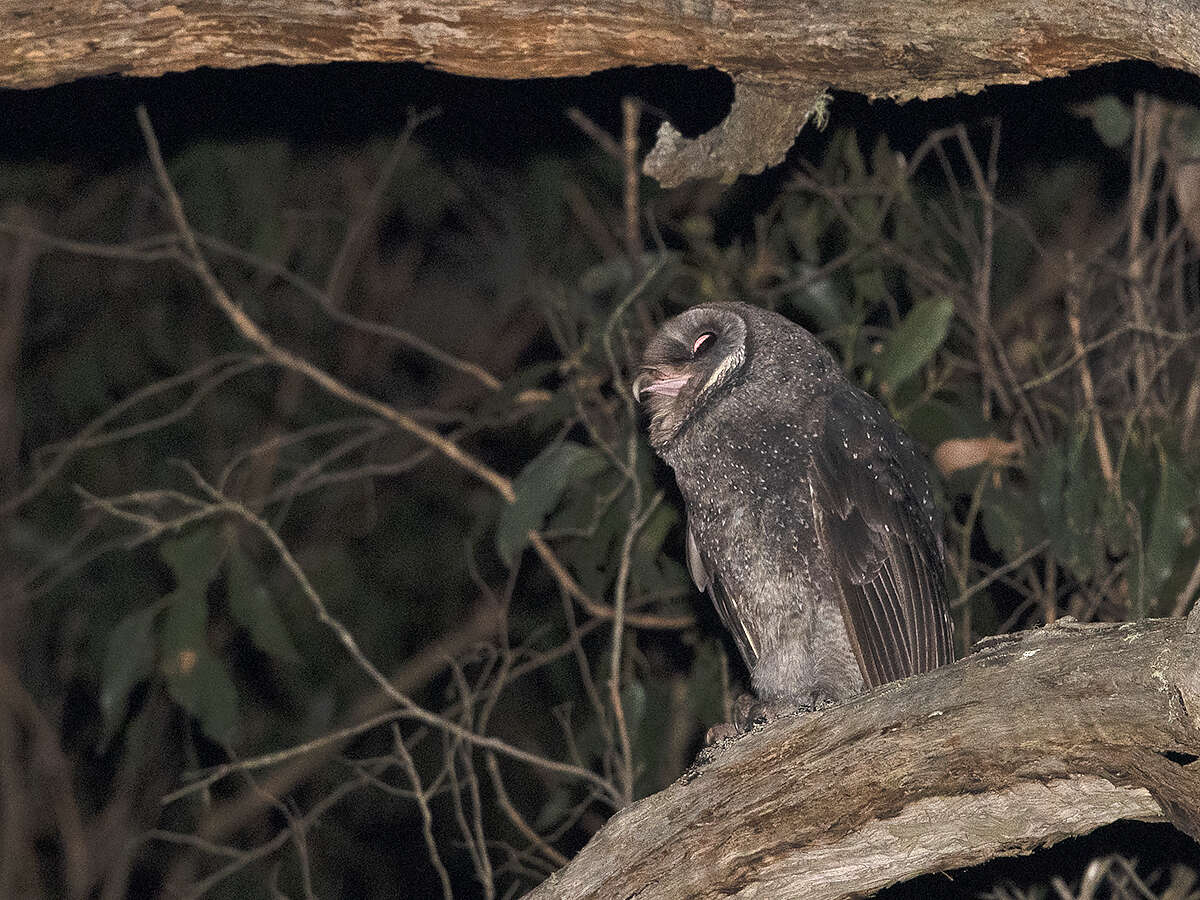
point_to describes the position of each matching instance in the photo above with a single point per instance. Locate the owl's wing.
(875, 526)
(707, 580)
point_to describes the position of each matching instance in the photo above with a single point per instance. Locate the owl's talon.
(764, 712)
(720, 732)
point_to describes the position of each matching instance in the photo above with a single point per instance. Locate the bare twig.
(637, 521)
(631, 113)
(285, 358)
(602, 138)
(516, 818)
(209, 375)
(333, 738)
(414, 778)
(325, 301)
(593, 606)
(1089, 391)
(996, 574)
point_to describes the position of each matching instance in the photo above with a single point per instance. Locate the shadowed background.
(1022, 293)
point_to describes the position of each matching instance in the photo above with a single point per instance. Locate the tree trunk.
(1037, 737)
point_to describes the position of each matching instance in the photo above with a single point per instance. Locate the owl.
(810, 520)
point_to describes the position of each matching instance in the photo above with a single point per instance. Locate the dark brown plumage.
(810, 518)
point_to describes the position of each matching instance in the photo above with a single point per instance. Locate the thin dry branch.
(536, 841)
(1089, 391)
(593, 607)
(50, 780)
(206, 376)
(140, 509)
(269, 847)
(422, 799)
(371, 710)
(250, 331)
(325, 300)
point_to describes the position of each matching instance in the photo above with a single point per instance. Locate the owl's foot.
(743, 721)
(720, 732)
(749, 712)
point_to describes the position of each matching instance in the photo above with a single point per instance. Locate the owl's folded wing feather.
(875, 526)
(707, 580)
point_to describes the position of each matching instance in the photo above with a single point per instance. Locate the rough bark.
(782, 53)
(1033, 738)
(895, 49)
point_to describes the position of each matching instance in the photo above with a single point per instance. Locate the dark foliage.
(451, 573)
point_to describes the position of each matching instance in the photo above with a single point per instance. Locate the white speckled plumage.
(810, 518)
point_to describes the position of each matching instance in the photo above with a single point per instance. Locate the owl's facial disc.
(691, 356)
(668, 380)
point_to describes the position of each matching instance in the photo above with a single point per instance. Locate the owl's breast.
(749, 506)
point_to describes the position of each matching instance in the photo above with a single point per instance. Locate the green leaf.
(914, 342)
(539, 488)
(935, 420)
(200, 175)
(208, 693)
(805, 223)
(194, 556)
(606, 277)
(594, 559)
(1168, 524)
(1082, 501)
(550, 415)
(250, 604)
(820, 301)
(1111, 118)
(890, 169)
(196, 679)
(554, 810)
(128, 659)
(229, 189)
(1071, 494)
(633, 704)
(650, 569)
(654, 532)
(1082, 493)
(869, 286)
(844, 160)
(1051, 470)
(1138, 476)
(1116, 510)
(1003, 523)
(704, 683)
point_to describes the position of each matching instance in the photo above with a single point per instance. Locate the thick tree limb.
(880, 49)
(762, 124)
(1034, 738)
(781, 53)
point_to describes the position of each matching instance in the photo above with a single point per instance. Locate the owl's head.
(692, 357)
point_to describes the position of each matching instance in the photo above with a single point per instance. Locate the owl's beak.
(653, 381)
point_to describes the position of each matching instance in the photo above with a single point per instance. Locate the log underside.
(782, 54)
(879, 49)
(1034, 738)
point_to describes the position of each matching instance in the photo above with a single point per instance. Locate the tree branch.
(1034, 738)
(903, 50)
(782, 55)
